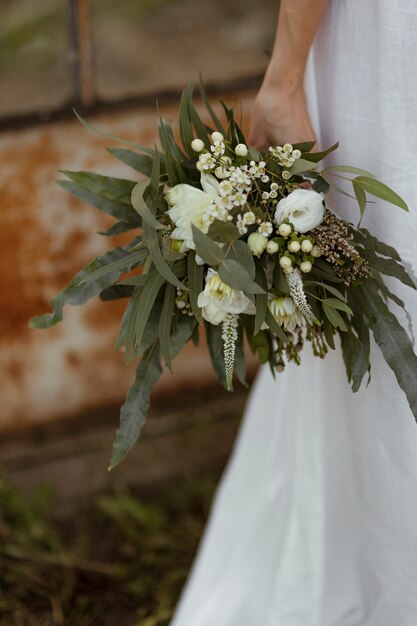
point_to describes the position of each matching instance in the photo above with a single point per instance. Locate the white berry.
(197, 145)
(294, 246)
(306, 245)
(315, 251)
(285, 261)
(216, 136)
(241, 149)
(305, 267)
(284, 230)
(272, 247)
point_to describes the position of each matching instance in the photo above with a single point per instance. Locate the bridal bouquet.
(243, 242)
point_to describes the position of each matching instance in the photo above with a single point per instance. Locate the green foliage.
(53, 568)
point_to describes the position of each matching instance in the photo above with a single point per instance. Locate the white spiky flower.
(295, 283)
(230, 335)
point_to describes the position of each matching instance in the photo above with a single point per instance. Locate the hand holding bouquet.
(244, 242)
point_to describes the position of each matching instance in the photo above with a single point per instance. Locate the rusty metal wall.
(45, 237)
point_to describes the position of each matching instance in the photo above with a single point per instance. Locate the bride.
(315, 520)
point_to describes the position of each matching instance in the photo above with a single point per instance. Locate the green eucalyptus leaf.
(120, 210)
(393, 341)
(116, 292)
(261, 299)
(165, 323)
(140, 162)
(315, 157)
(274, 326)
(301, 165)
(90, 282)
(334, 317)
(117, 229)
(237, 277)
(209, 108)
(389, 267)
(141, 207)
(380, 190)
(186, 129)
(360, 197)
(368, 241)
(195, 283)
(349, 170)
(239, 251)
(206, 248)
(148, 297)
(335, 303)
(223, 232)
(150, 238)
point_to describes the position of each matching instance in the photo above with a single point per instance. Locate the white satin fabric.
(315, 520)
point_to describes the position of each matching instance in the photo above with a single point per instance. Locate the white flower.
(249, 217)
(218, 299)
(303, 208)
(285, 312)
(190, 205)
(265, 229)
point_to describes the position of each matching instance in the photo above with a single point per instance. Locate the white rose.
(218, 299)
(304, 208)
(189, 205)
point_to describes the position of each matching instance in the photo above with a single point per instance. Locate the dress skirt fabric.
(315, 520)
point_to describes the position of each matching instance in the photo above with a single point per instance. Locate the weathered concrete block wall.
(45, 237)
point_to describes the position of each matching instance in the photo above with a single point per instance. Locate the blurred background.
(78, 545)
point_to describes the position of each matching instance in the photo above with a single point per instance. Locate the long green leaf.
(394, 343)
(364, 237)
(82, 287)
(239, 251)
(380, 190)
(165, 323)
(209, 108)
(134, 411)
(195, 283)
(349, 170)
(141, 207)
(120, 210)
(149, 294)
(186, 129)
(140, 162)
(389, 267)
(150, 238)
(261, 299)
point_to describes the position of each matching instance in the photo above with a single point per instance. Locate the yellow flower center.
(218, 288)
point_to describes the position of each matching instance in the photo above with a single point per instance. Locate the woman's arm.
(280, 110)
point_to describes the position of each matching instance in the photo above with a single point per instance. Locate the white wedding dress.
(315, 520)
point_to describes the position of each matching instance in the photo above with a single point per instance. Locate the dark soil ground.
(124, 561)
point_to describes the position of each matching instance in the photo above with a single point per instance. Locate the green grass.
(122, 562)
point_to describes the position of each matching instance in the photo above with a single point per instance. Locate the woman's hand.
(279, 117)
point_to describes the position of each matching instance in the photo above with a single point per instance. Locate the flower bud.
(221, 172)
(284, 230)
(199, 166)
(216, 136)
(306, 245)
(257, 243)
(294, 246)
(288, 270)
(180, 304)
(296, 154)
(176, 245)
(315, 252)
(286, 175)
(197, 145)
(241, 149)
(272, 247)
(285, 261)
(305, 267)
